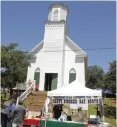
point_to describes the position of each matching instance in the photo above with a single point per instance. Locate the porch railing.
(27, 92)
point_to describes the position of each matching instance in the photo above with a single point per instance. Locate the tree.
(94, 77)
(110, 77)
(14, 64)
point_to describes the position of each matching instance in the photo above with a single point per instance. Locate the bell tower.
(55, 28)
(57, 13)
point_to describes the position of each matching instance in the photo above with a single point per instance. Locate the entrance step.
(36, 103)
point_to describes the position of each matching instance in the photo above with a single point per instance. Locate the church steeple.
(58, 12)
(56, 28)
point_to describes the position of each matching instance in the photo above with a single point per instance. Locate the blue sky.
(91, 25)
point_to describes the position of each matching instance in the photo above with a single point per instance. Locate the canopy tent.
(74, 89)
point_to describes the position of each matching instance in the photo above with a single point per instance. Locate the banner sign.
(75, 100)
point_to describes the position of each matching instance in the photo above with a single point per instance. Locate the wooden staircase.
(36, 103)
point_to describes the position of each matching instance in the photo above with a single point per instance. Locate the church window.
(72, 75)
(55, 15)
(37, 70)
(37, 76)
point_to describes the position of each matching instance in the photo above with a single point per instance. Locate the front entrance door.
(51, 81)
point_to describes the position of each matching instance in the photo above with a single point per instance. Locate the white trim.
(38, 45)
(72, 71)
(84, 54)
(37, 69)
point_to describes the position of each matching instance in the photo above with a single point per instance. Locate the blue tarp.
(105, 91)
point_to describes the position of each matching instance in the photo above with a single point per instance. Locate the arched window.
(55, 15)
(72, 75)
(37, 70)
(37, 76)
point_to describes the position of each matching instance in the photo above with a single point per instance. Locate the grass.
(4, 98)
(108, 103)
(92, 111)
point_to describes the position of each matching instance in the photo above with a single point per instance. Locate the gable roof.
(75, 48)
(37, 47)
(69, 42)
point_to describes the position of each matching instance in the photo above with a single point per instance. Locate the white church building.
(58, 60)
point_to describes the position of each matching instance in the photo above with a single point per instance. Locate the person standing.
(4, 117)
(80, 115)
(18, 115)
(13, 105)
(10, 111)
(57, 111)
(7, 105)
(98, 111)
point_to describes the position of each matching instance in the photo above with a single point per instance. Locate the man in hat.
(18, 115)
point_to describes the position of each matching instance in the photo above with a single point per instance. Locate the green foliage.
(95, 76)
(110, 77)
(14, 64)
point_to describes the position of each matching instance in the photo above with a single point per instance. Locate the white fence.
(27, 92)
